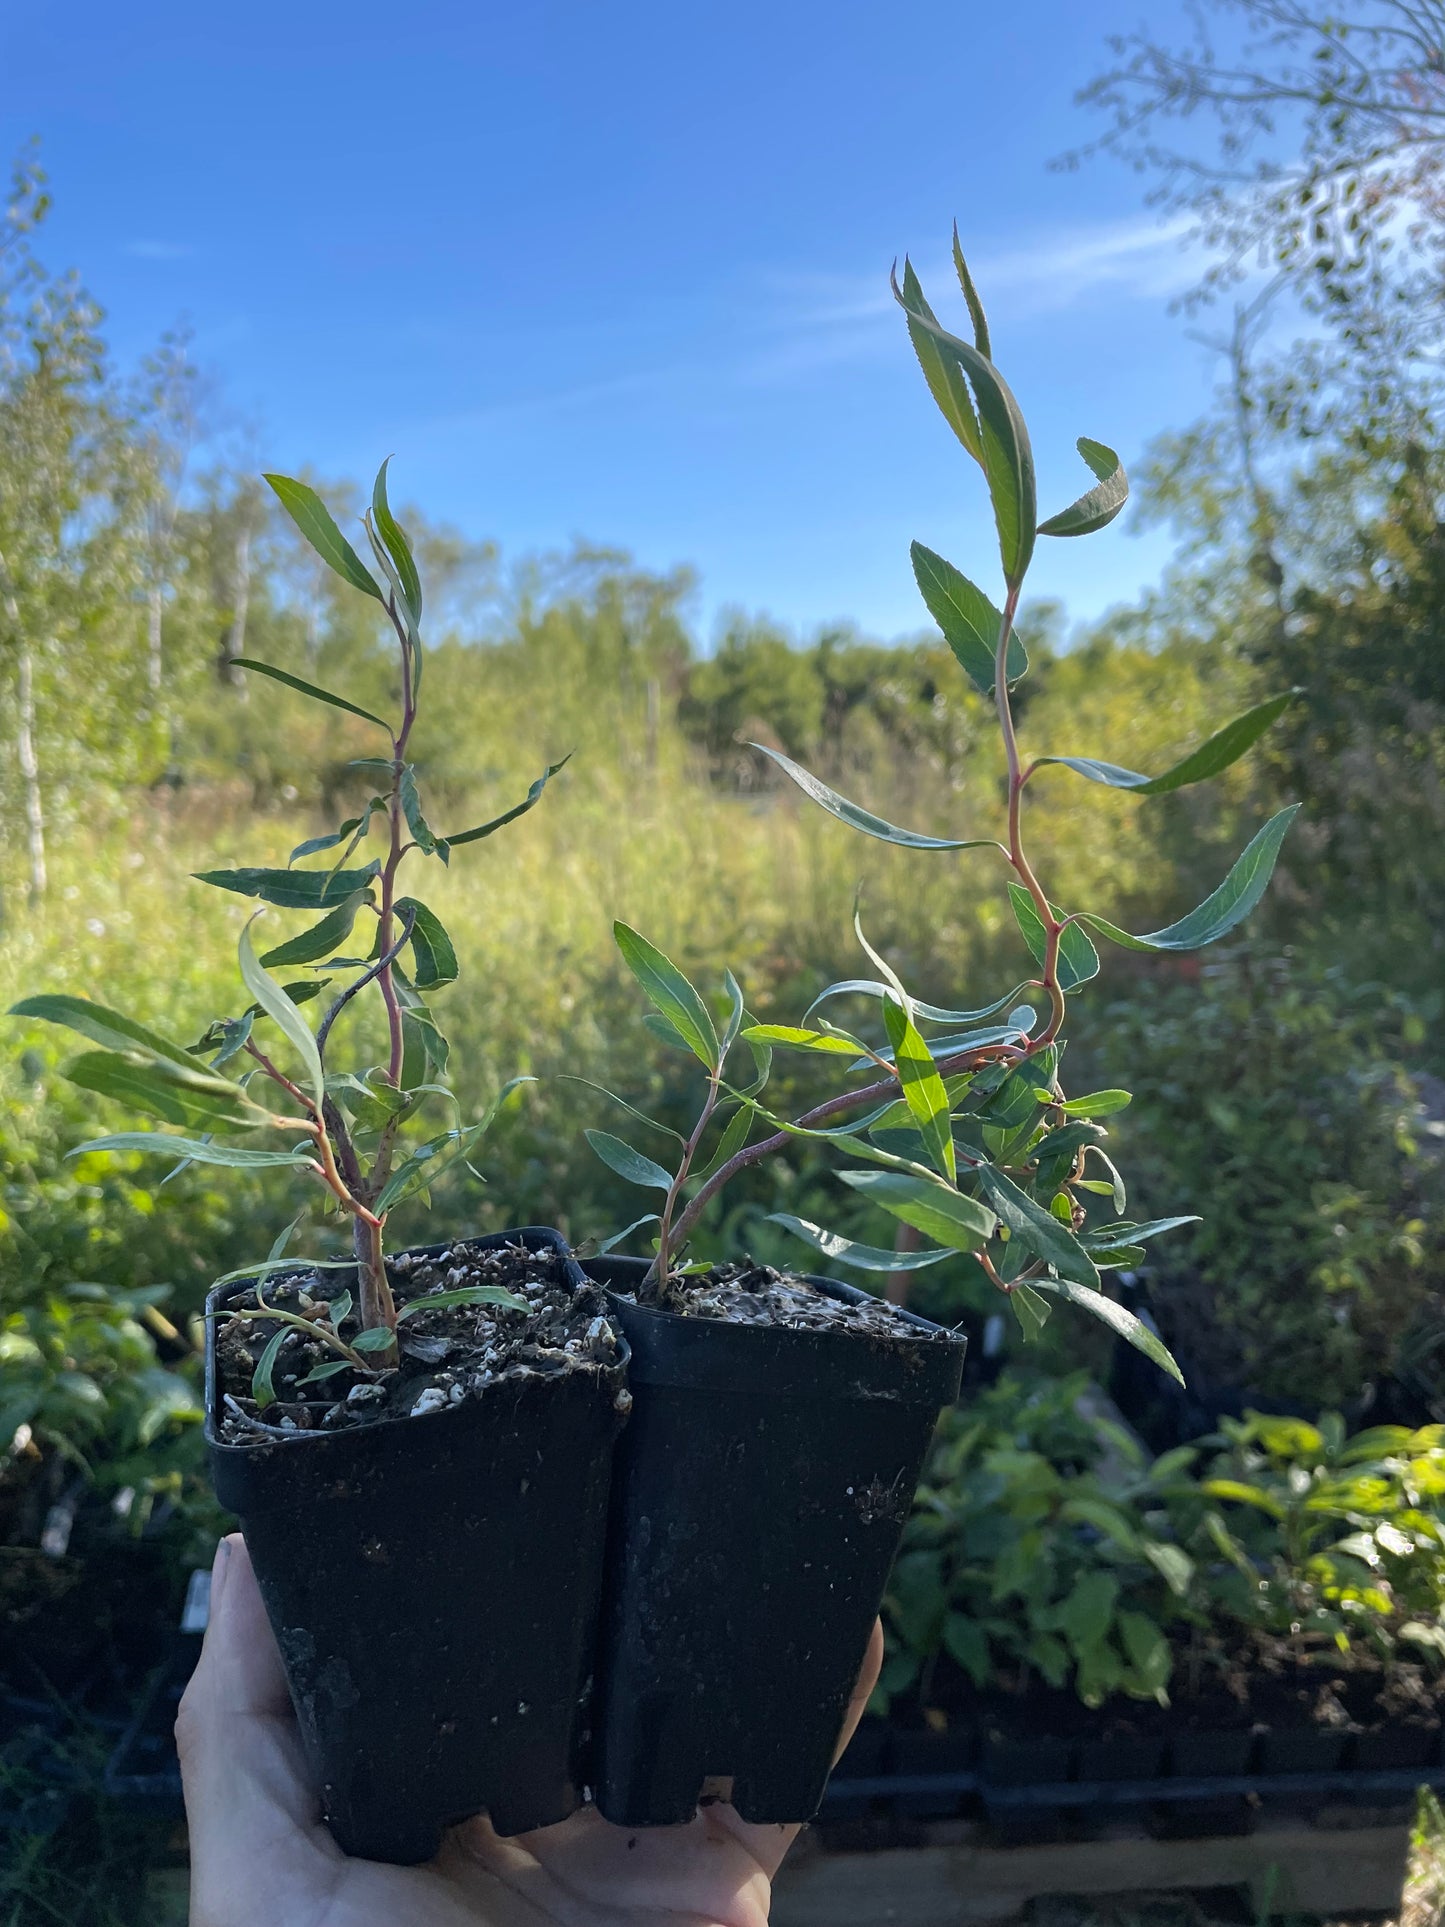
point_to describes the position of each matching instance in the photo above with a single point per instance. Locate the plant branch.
(1017, 778)
(388, 957)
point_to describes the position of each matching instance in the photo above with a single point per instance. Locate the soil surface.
(748, 1294)
(447, 1355)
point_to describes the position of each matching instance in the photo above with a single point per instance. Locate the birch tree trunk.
(234, 643)
(155, 604)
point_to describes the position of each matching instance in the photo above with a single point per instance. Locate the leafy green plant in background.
(971, 1137)
(345, 1128)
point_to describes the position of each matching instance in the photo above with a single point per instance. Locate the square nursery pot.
(761, 1489)
(433, 1583)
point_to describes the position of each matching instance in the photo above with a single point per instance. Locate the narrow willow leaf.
(1038, 1229)
(970, 295)
(107, 1027)
(321, 939)
(924, 1013)
(377, 1338)
(397, 547)
(627, 1163)
(1230, 904)
(670, 994)
(313, 518)
(510, 816)
(1133, 1329)
(1226, 746)
(262, 1388)
(970, 623)
(338, 1309)
(1115, 1187)
(618, 1237)
(316, 844)
(652, 1123)
(1006, 454)
(734, 1137)
(311, 689)
(846, 1251)
(922, 1087)
(246, 1273)
(1031, 1311)
(200, 1150)
(194, 1099)
(736, 1012)
(1117, 1257)
(292, 889)
(937, 1210)
(433, 956)
(865, 820)
(943, 374)
(422, 833)
(793, 1037)
(283, 1013)
(1102, 503)
(1113, 1234)
(1097, 1104)
(429, 1161)
(463, 1295)
(319, 1373)
(1078, 959)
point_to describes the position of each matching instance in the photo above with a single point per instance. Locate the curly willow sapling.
(971, 1140)
(347, 1127)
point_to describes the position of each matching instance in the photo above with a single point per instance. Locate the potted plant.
(419, 1445)
(967, 1137)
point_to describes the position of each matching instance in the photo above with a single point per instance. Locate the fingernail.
(220, 1566)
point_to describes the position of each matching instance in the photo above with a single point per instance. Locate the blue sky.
(621, 271)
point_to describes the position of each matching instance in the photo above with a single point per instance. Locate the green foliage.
(1044, 1542)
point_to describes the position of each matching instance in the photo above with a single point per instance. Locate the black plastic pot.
(761, 1489)
(433, 1584)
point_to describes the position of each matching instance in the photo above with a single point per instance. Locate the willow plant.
(967, 1133)
(348, 1127)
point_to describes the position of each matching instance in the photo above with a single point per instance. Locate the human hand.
(261, 1851)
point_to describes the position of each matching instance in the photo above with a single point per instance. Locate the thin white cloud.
(158, 250)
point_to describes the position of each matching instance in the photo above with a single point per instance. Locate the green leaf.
(107, 1027)
(321, 940)
(618, 1237)
(1226, 746)
(432, 953)
(652, 1123)
(1102, 503)
(397, 547)
(967, 1643)
(970, 623)
(1172, 1563)
(1037, 1228)
(943, 375)
(1005, 454)
(378, 1338)
(922, 1087)
(1097, 1104)
(510, 816)
(670, 994)
(729, 1144)
(1088, 1611)
(201, 1150)
(464, 1295)
(865, 820)
(1149, 1652)
(1130, 1328)
(737, 1011)
(283, 1012)
(1114, 1189)
(313, 518)
(628, 1163)
(1136, 1234)
(1031, 1311)
(923, 1013)
(312, 689)
(427, 1163)
(936, 1209)
(422, 834)
(292, 889)
(845, 1251)
(1230, 904)
(191, 1098)
(329, 1370)
(1242, 1494)
(791, 1037)
(262, 1388)
(1078, 959)
(970, 295)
